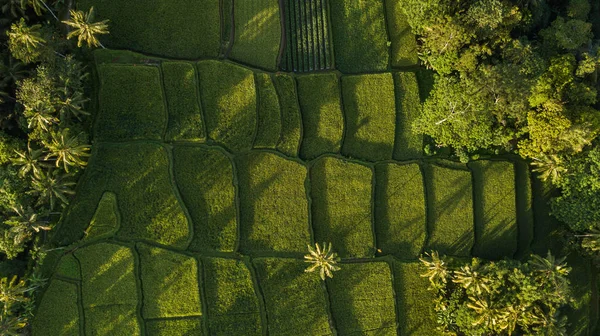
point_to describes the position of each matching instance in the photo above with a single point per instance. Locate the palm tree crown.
(85, 29)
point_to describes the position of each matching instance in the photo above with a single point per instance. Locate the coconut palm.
(50, 187)
(66, 150)
(27, 218)
(13, 7)
(72, 107)
(85, 28)
(30, 161)
(591, 240)
(469, 278)
(549, 166)
(11, 292)
(322, 259)
(41, 117)
(549, 266)
(12, 71)
(25, 42)
(487, 316)
(38, 6)
(437, 269)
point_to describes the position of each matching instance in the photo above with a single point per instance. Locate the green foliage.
(358, 294)
(26, 43)
(504, 297)
(359, 35)
(232, 300)
(257, 33)
(322, 259)
(291, 118)
(58, 312)
(228, 95)
(400, 212)
(370, 109)
(273, 203)
(66, 150)
(85, 29)
(180, 29)
(341, 206)
(52, 187)
(206, 181)
(178, 327)
(8, 146)
(567, 34)
(295, 301)
(408, 144)
(181, 91)
(105, 222)
(403, 41)
(170, 283)
(322, 115)
(68, 267)
(269, 113)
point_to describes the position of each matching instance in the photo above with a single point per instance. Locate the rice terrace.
(230, 135)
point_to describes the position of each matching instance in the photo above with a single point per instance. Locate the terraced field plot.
(210, 176)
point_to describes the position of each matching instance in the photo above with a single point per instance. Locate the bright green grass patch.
(496, 231)
(450, 203)
(400, 212)
(409, 145)
(115, 320)
(105, 222)
(206, 182)
(296, 301)
(525, 220)
(362, 299)
(291, 119)
(181, 89)
(57, 312)
(404, 43)
(131, 103)
(169, 283)
(370, 108)
(415, 301)
(175, 28)
(68, 267)
(341, 202)
(269, 113)
(322, 116)
(107, 275)
(257, 33)
(228, 96)
(232, 302)
(126, 57)
(273, 203)
(178, 327)
(359, 35)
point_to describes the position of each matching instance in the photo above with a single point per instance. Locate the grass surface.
(496, 228)
(269, 113)
(257, 33)
(404, 43)
(233, 307)
(58, 313)
(400, 217)
(228, 96)
(179, 327)
(525, 220)
(370, 109)
(415, 301)
(408, 145)
(131, 103)
(181, 90)
(172, 28)
(206, 182)
(169, 283)
(68, 267)
(291, 119)
(362, 299)
(359, 35)
(296, 302)
(273, 204)
(105, 222)
(450, 202)
(322, 115)
(341, 203)
(116, 320)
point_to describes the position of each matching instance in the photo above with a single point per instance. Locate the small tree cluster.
(499, 298)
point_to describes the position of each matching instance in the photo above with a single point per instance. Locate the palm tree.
(591, 240)
(437, 270)
(11, 292)
(550, 166)
(13, 7)
(322, 259)
(28, 219)
(40, 117)
(469, 278)
(66, 150)
(29, 160)
(73, 106)
(25, 42)
(13, 71)
(38, 6)
(85, 29)
(50, 187)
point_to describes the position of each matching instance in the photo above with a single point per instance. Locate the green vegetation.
(257, 33)
(58, 313)
(362, 299)
(85, 29)
(403, 41)
(322, 115)
(450, 208)
(232, 301)
(273, 203)
(116, 320)
(370, 116)
(295, 301)
(178, 29)
(269, 113)
(359, 35)
(181, 91)
(179, 327)
(131, 103)
(206, 181)
(228, 95)
(291, 119)
(524, 194)
(408, 144)
(169, 283)
(68, 267)
(105, 222)
(341, 206)
(400, 212)
(496, 231)
(322, 259)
